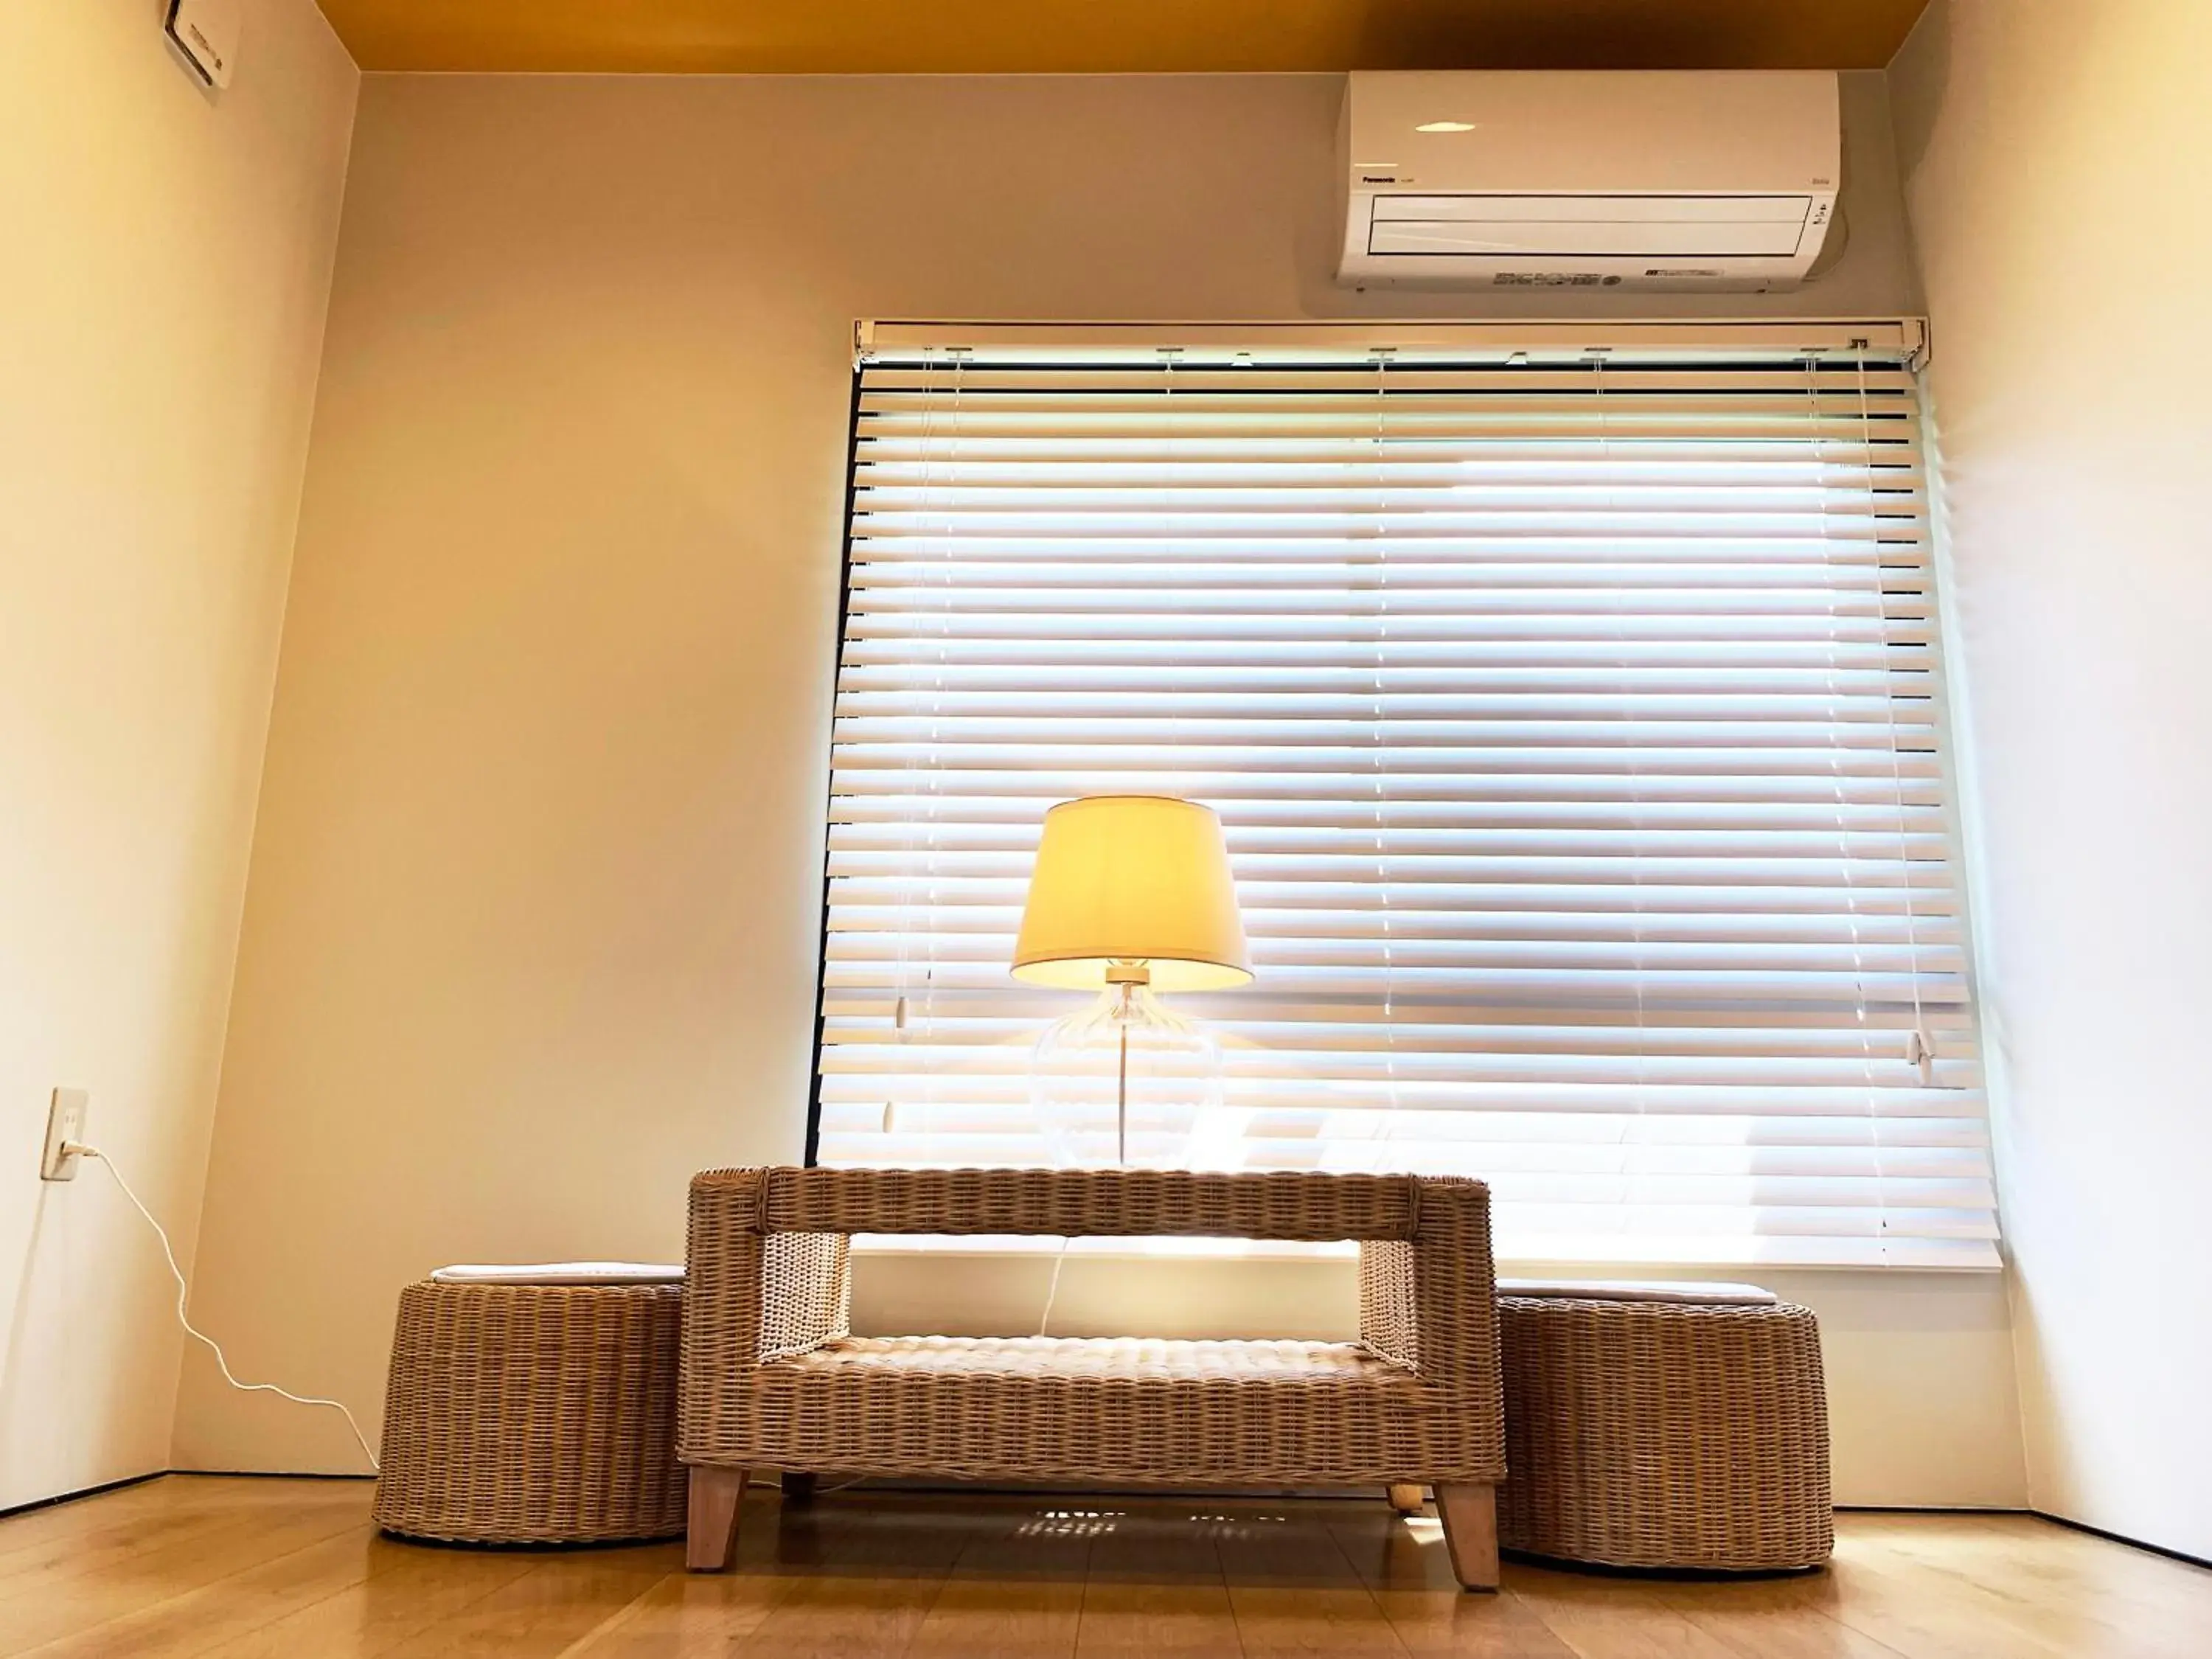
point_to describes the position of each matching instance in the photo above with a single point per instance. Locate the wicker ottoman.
(1676, 1426)
(539, 1412)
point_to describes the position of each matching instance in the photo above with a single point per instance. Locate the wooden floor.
(233, 1567)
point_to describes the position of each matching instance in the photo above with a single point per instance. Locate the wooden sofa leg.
(797, 1488)
(1407, 1499)
(711, 1535)
(1470, 1516)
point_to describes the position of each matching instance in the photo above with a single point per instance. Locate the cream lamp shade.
(1131, 880)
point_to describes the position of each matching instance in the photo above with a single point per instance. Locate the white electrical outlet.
(64, 1124)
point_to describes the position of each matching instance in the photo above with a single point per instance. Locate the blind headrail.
(1901, 340)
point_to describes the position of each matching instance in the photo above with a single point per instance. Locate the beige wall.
(2051, 146)
(167, 265)
(532, 925)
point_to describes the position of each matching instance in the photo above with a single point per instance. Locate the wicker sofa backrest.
(1284, 1204)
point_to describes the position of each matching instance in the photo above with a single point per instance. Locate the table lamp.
(1131, 894)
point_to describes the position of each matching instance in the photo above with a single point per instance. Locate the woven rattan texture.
(1650, 1435)
(808, 1299)
(526, 1414)
(1072, 1203)
(1389, 1318)
(1417, 1401)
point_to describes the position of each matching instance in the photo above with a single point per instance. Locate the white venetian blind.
(1575, 726)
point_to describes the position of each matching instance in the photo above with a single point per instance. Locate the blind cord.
(901, 1000)
(192, 1330)
(1380, 755)
(1815, 418)
(1920, 1047)
(1635, 1130)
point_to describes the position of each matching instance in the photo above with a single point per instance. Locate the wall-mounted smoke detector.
(206, 32)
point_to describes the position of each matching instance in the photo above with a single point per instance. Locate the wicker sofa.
(772, 1378)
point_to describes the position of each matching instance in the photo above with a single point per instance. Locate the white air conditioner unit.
(1722, 179)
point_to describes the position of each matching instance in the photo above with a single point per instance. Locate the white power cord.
(1052, 1294)
(191, 1330)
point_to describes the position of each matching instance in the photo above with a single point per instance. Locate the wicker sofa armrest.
(1286, 1204)
(1431, 1302)
(772, 1293)
(750, 1296)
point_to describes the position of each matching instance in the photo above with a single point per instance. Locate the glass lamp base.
(1125, 1082)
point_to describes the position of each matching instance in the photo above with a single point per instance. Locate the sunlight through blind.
(1575, 727)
